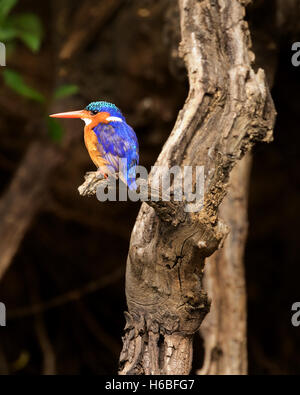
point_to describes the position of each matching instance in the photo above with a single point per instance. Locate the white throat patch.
(87, 120)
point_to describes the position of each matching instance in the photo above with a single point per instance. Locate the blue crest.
(104, 106)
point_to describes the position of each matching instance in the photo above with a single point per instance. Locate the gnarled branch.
(228, 109)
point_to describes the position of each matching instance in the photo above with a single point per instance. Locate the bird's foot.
(99, 174)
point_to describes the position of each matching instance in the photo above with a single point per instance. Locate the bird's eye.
(94, 112)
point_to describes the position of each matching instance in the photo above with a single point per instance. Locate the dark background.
(79, 244)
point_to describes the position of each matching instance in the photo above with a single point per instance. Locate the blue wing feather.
(118, 140)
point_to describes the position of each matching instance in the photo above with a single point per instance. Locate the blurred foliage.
(15, 81)
(55, 129)
(5, 8)
(65, 91)
(27, 27)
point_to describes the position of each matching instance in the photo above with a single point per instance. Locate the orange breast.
(91, 143)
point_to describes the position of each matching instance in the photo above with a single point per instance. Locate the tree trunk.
(228, 109)
(224, 329)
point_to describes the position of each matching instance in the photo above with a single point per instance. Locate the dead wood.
(228, 109)
(224, 330)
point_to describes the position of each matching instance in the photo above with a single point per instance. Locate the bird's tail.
(127, 174)
(129, 179)
(131, 182)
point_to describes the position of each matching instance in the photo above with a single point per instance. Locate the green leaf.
(5, 8)
(15, 81)
(7, 33)
(55, 130)
(65, 91)
(29, 30)
(33, 42)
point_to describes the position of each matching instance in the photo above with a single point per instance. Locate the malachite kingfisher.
(110, 141)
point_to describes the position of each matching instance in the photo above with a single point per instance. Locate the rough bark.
(225, 348)
(225, 328)
(228, 109)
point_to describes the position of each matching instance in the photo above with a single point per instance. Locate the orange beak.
(71, 114)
